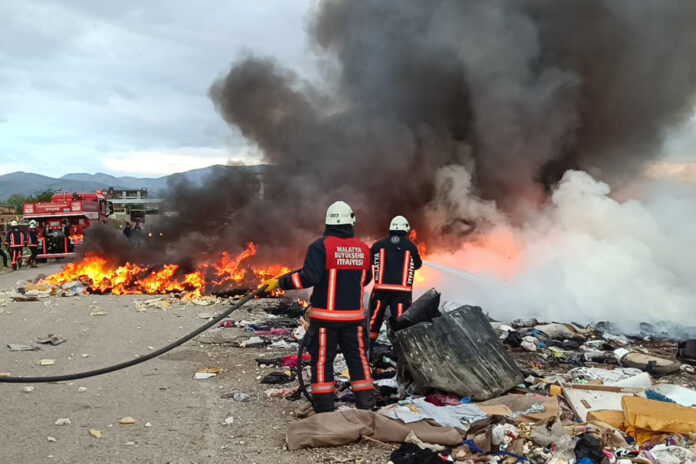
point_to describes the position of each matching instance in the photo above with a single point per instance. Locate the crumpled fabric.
(291, 360)
(346, 426)
(672, 455)
(608, 377)
(439, 399)
(273, 332)
(589, 447)
(412, 454)
(278, 378)
(413, 438)
(502, 434)
(536, 408)
(417, 409)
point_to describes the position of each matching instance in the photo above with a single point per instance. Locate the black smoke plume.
(514, 92)
(434, 109)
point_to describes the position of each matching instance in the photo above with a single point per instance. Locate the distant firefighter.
(128, 230)
(33, 242)
(136, 235)
(15, 243)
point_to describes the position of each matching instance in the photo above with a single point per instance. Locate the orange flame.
(99, 275)
(413, 236)
(227, 269)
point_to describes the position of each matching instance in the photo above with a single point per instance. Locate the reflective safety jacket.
(337, 266)
(15, 239)
(32, 238)
(394, 260)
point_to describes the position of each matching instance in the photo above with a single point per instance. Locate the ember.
(99, 275)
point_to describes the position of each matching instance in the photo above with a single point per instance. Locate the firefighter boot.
(365, 399)
(323, 403)
(32, 262)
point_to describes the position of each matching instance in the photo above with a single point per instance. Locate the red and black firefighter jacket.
(32, 238)
(337, 266)
(15, 239)
(394, 260)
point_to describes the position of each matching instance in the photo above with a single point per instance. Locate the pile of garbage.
(32, 291)
(463, 388)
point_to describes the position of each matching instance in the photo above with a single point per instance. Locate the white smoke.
(584, 257)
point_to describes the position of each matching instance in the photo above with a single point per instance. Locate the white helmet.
(340, 213)
(32, 224)
(13, 223)
(400, 223)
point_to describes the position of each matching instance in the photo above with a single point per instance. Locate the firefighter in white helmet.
(33, 242)
(15, 243)
(337, 267)
(394, 261)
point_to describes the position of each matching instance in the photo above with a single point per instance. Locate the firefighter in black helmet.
(394, 261)
(337, 266)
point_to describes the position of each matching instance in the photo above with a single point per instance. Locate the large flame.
(100, 275)
(496, 253)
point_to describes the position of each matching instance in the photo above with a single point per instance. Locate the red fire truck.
(62, 221)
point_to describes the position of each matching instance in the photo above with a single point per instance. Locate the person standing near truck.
(15, 243)
(128, 231)
(33, 242)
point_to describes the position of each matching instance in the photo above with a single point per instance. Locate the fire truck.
(62, 221)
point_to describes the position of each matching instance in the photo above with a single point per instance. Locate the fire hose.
(300, 352)
(105, 370)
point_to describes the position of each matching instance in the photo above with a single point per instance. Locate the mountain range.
(25, 183)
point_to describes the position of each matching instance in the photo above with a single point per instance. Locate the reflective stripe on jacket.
(337, 267)
(394, 260)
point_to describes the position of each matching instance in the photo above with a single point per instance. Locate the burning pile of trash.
(98, 274)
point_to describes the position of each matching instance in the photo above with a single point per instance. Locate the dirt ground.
(177, 419)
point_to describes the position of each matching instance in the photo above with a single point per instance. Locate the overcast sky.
(121, 87)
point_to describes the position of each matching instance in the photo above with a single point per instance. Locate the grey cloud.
(36, 30)
(132, 75)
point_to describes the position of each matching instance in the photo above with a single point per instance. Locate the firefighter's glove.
(270, 285)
